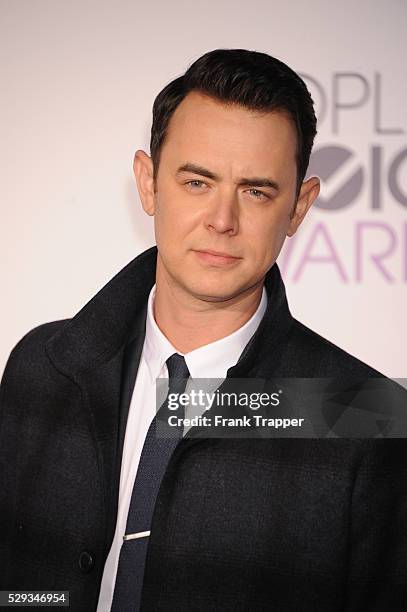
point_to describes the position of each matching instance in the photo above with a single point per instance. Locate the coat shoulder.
(326, 358)
(28, 361)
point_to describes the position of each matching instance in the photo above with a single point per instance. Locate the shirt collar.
(209, 361)
(157, 348)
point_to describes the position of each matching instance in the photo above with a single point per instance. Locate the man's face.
(224, 196)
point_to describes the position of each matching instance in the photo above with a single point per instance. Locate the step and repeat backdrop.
(78, 83)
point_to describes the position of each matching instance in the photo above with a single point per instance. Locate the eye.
(258, 195)
(195, 184)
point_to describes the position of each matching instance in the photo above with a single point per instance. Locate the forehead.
(207, 130)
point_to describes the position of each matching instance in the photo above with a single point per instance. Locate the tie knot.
(178, 372)
(177, 367)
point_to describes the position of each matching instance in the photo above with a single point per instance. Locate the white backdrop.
(78, 82)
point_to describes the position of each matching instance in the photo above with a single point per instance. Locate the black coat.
(245, 524)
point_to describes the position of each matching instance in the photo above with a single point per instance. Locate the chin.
(213, 290)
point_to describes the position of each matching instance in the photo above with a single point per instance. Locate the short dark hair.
(247, 78)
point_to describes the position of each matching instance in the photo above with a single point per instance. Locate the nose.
(223, 215)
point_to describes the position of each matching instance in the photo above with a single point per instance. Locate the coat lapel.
(92, 350)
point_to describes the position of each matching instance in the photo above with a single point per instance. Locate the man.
(234, 524)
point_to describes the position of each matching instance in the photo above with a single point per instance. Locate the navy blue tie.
(157, 450)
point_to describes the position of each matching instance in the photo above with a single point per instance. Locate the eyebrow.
(255, 181)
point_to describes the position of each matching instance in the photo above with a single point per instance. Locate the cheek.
(267, 236)
(176, 216)
(164, 209)
(171, 223)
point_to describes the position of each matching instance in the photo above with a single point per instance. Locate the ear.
(308, 194)
(144, 173)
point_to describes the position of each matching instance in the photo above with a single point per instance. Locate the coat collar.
(104, 324)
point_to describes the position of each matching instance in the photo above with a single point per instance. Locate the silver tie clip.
(135, 536)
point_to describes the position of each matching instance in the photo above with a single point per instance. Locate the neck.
(190, 322)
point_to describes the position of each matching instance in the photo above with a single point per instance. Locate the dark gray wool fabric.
(239, 524)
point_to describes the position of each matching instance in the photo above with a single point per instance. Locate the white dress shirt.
(210, 361)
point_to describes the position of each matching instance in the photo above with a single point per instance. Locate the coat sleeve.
(22, 378)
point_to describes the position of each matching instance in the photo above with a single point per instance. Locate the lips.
(217, 258)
